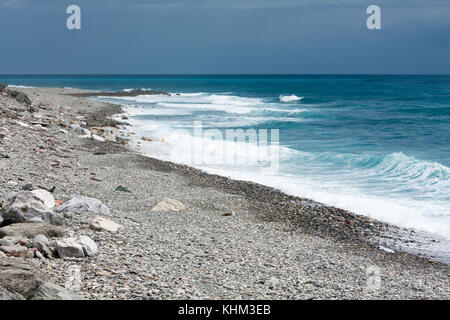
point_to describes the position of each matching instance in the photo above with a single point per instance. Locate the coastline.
(276, 246)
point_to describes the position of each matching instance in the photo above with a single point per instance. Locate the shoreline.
(306, 239)
(381, 234)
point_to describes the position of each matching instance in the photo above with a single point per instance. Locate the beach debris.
(229, 214)
(123, 189)
(51, 190)
(26, 206)
(22, 124)
(22, 231)
(81, 204)
(168, 204)
(102, 224)
(147, 139)
(386, 249)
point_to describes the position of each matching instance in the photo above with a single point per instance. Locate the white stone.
(102, 224)
(89, 246)
(80, 204)
(69, 247)
(168, 204)
(44, 196)
(98, 138)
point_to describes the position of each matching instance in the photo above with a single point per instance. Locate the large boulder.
(6, 295)
(19, 96)
(19, 277)
(81, 205)
(26, 206)
(31, 230)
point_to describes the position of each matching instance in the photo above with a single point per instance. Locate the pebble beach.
(169, 231)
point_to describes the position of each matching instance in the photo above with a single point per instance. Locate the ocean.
(377, 145)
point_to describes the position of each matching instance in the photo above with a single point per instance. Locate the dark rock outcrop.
(19, 277)
(19, 96)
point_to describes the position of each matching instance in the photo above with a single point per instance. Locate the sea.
(377, 145)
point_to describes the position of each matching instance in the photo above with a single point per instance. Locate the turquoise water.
(376, 145)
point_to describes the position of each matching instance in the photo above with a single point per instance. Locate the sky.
(225, 37)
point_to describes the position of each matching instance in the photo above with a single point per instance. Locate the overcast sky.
(226, 36)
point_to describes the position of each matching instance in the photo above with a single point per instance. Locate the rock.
(4, 242)
(15, 250)
(59, 219)
(18, 276)
(31, 230)
(45, 196)
(90, 248)
(2, 87)
(24, 206)
(15, 240)
(80, 204)
(102, 224)
(2, 254)
(98, 138)
(40, 242)
(28, 186)
(51, 291)
(76, 247)
(69, 247)
(168, 204)
(19, 96)
(6, 295)
(229, 214)
(80, 130)
(38, 255)
(30, 254)
(40, 238)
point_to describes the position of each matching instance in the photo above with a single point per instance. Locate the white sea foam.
(290, 98)
(404, 190)
(19, 86)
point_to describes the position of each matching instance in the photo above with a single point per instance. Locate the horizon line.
(224, 74)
